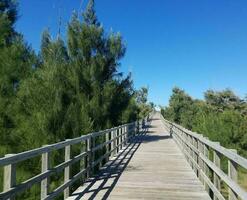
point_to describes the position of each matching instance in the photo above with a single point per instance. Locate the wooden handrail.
(196, 149)
(114, 140)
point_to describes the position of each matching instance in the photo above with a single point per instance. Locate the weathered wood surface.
(210, 172)
(151, 166)
(86, 158)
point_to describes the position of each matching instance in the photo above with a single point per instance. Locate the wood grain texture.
(151, 166)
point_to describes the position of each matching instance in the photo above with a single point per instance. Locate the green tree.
(142, 101)
(16, 63)
(180, 108)
(71, 88)
(221, 116)
(8, 16)
(222, 100)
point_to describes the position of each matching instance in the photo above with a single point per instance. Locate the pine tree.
(95, 57)
(16, 63)
(8, 16)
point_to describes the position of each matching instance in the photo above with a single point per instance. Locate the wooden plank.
(205, 166)
(67, 155)
(114, 143)
(195, 142)
(9, 163)
(89, 159)
(15, 158)
(233, 174)
(65, 185)
(45, 166)
(234, 187)
(107, 141)
(38, 178)
(216, 159)
(222, 150)
(9, 177)
(154, 169)
(232, 184)
(215, 190)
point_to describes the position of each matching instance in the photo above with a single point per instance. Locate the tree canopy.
(72, 87)
(221, 116)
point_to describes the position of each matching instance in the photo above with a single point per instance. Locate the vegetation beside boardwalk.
(72, 87)
(221, 116)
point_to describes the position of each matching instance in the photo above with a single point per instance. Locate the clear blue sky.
(195, 45)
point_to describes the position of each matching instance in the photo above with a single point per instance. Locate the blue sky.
(195, 45)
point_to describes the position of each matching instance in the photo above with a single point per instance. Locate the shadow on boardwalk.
(104, 182)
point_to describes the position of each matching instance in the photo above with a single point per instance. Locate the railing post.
(89, 158)
(126, 130)
(205, 167)
(117, 140)
(195, 144)
(200, 162)
(233, 174)
(45, 165)
(182, 134)
(191, 151)
(92, 154)
(170, 130)
(124, 136)
(216, 159)
(113, 144)
(129, 132)
(188, 148)
(137, 128)
(67, 170)
(121, 137)
(9, 179)
(107, 146)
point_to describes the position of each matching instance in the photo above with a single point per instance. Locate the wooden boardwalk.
(150, 167)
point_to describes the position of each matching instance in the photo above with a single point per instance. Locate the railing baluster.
(190, 141)
(200, 148)
(122, 132)
(183, 142)
(9, 179)
(45, 165)
(216, 159)
(89, 158)
(122, 137)
(233, 174)
(196, 155)
(125, 135)
(188, 149)
(67, 170)
(205, 166)
(107, 146)
(113, 144)
(118, 140)
(92, 154)
(115, 140)
(191, 152)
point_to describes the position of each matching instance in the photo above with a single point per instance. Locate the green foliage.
(144, 107)
(71, 88)
(8, 16)
(16, 63)
(221, 116)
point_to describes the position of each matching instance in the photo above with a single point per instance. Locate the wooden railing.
(205, 158)
(111, 141)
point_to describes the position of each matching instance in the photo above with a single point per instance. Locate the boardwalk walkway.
(150, 167)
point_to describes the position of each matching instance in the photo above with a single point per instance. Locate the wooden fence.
(111, 142)
(205, 158)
